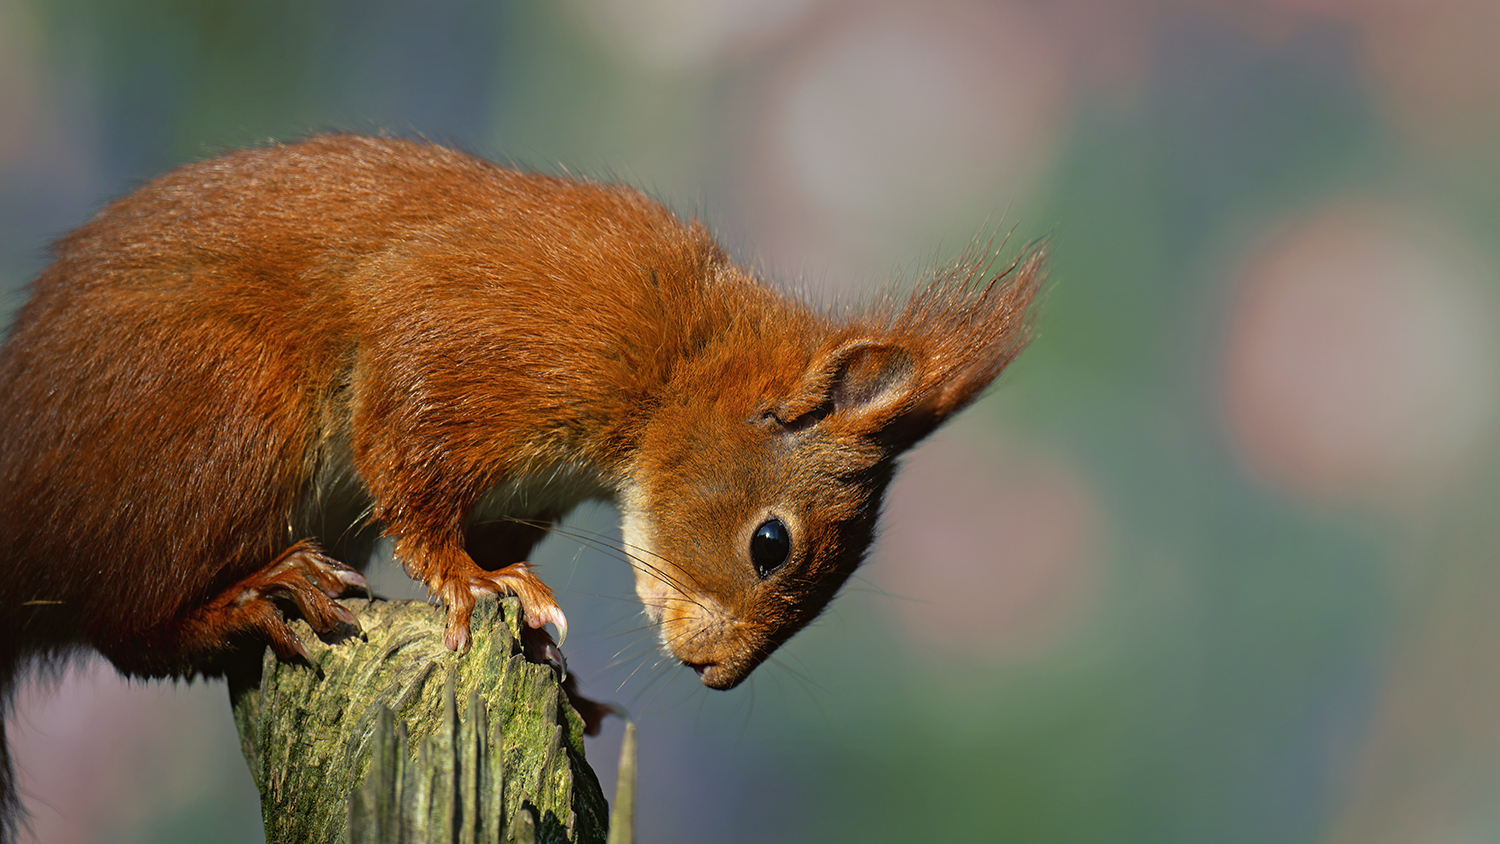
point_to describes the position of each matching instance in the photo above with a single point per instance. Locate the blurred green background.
(1216, 562)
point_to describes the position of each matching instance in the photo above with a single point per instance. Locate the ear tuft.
(904, 367)
(959, 331)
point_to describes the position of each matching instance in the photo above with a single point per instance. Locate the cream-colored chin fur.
(651, 587)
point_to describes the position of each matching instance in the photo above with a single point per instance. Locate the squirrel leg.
(302, 574)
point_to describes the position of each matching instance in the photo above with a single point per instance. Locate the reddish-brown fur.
(251, 354)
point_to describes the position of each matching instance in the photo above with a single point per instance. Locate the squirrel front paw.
(537, 602)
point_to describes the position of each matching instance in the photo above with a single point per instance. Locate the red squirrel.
(230, 382)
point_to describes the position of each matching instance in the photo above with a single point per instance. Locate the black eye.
(769, 547)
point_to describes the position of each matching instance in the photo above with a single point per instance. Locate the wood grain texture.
(461, 744)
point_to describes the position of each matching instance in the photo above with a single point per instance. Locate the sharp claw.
(302, 650)
(540, 648)
(352, 579)
(551, 653)
(343, 614)
(348, 624)
(553, 616)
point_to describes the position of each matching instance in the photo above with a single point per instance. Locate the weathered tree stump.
(472, 748)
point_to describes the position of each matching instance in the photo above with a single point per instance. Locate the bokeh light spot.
(1359, 357)
(903, 122)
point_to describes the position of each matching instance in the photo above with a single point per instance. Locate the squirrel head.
(755, 491)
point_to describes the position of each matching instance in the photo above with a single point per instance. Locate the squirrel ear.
(871, 379)
(860, 383)
(858, 386)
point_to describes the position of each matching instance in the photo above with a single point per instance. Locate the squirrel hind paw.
(331, 577)
(311, 580)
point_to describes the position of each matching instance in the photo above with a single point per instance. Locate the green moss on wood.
(307, 733)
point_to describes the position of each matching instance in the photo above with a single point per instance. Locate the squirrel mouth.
(715, 675)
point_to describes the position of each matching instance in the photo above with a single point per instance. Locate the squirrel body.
(230, 382)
